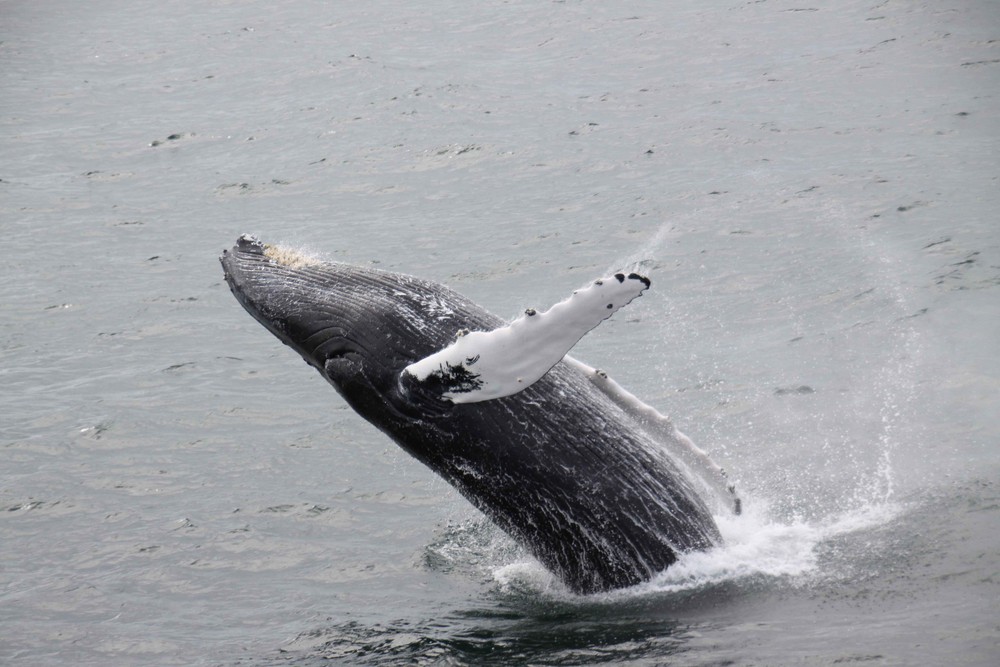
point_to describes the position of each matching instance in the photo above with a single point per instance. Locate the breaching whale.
(601, 488)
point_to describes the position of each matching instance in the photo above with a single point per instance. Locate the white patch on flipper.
(661, 428)
(484, 365)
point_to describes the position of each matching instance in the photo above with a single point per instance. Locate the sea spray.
(757, 549)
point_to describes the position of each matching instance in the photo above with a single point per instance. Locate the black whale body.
(558, 466)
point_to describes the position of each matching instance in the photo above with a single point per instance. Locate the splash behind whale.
(591, 480)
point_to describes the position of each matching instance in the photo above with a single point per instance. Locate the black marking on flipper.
(643, 279)
(620, 277)
(610, 306)
(451, 379)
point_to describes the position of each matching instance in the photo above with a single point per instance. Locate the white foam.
(293, 258)
(527, 575)
(755, 547)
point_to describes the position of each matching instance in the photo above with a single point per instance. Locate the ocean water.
(812, 187)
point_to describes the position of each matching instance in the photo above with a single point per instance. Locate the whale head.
(358, 326)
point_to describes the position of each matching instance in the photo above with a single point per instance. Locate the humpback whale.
(601, 488)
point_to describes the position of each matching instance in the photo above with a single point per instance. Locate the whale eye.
(333, 348)
(342, 368)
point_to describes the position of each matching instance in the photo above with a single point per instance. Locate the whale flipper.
(660, 426)
(483, 365)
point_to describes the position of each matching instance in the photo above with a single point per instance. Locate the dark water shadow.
(520, 628)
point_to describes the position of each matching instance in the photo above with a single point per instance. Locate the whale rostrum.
(599, 486)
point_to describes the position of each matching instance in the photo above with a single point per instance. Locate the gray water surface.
(813, 190)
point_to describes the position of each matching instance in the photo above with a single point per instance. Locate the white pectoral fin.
(659, 426)
(484, 365)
